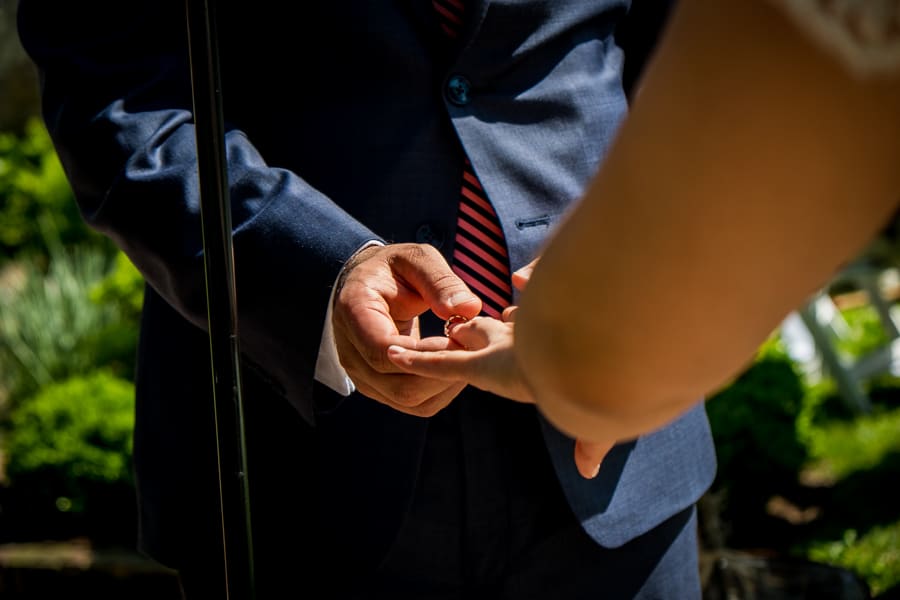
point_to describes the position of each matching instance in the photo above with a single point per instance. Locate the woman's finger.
(589, 456)
(480, 333)
(448, 365)
(521, 276)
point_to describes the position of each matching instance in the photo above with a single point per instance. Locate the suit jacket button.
(458, 90)
(426, 234)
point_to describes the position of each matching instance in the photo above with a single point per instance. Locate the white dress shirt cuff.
(328, 365)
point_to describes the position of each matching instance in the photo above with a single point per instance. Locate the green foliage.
(72, 439)
(778, 435)
(123, 288)
(69, 306)
(754, 422)
(50, 328)
(866, 333)
(33, 187)
(875, 556)
(846, 447)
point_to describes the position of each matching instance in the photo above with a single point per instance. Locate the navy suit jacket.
(339, 131)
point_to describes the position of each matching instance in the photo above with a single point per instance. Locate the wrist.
(357, 258)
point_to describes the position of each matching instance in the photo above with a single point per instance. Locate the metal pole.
(215, 210)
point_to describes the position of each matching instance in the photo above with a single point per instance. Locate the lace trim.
(864, 34)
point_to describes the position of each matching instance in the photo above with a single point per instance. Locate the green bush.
(68, 450)
(123, 288)
(875, 556)
(779, 436)
(77, 431)
(859, 528)
(866, 332)
(52, 328)
(33, 187)
(847, 447)
(69, 306)
(754, 425)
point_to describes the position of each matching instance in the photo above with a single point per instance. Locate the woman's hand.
(484, 358)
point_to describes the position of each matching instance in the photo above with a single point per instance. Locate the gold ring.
(453, 320)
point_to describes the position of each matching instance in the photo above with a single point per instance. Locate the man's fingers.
(407, 393)
(589, 456)
(424, 269)
(364, 332)
(438, 402)
(428, 407)
(383, 292)
(364, 355)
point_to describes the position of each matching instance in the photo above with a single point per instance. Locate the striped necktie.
(479, 256)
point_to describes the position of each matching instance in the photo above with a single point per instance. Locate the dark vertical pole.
(215, 212)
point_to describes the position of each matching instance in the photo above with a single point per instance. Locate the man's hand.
(383, 291)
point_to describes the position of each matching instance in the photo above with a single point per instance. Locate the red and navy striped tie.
(479, 256)
(450, 14)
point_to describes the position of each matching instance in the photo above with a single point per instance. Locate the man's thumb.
(446, 294)
(463, 303)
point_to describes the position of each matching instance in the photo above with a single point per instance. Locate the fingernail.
(396, 349)
(462, 298)
(594, 472)
(524, 271)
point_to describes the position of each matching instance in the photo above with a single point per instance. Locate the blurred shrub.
(860, 525)
(69, 314)
(52, 328)
(123, 287)
(866, 332)
(33, 187)
(845, 447)
(778, 435)
(754, 424)
(69, 451)
(874, 556)
(77, 432)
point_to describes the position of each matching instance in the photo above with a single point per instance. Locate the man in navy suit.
(347, 128)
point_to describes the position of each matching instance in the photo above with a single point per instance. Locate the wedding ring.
(453, 320)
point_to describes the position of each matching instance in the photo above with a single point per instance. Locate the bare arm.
(751, 167)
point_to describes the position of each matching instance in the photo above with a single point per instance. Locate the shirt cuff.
(328, 365)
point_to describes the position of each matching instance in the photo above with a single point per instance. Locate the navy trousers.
(489, 521)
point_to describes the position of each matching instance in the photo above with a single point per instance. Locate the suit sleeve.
(116, 99)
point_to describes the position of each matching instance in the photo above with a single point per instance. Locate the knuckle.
(409, 254)
(479, 324)
(366, 390)
(428, 410)
(377, 360)
(427, 251)
(407, 395)
(416, 256)
(448, 281)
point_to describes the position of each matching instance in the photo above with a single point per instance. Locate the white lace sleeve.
(864, 34)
